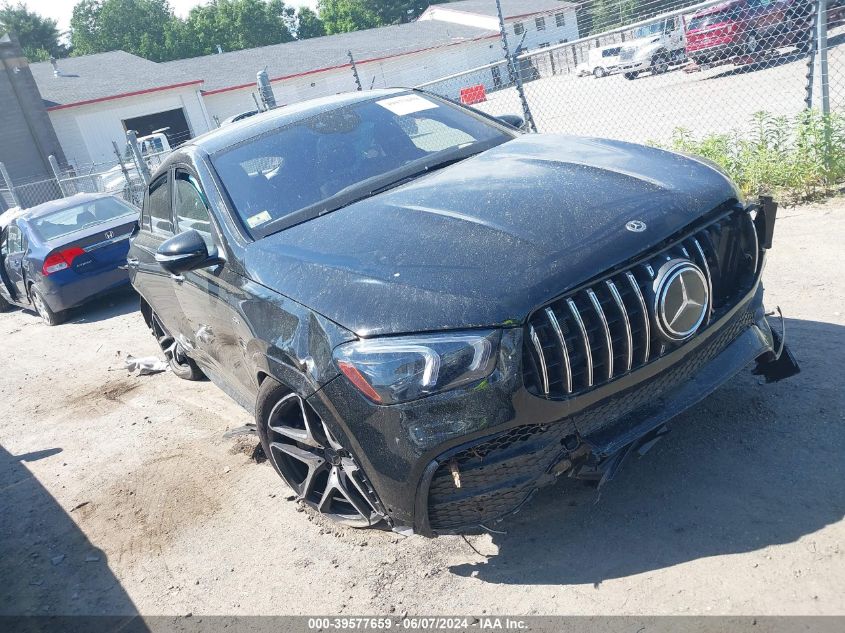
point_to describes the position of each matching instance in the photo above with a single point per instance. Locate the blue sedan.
(60, 254)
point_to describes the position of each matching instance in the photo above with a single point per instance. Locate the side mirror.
(184, 252)
(513, 120)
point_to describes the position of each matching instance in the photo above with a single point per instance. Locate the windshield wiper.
(355, 193)
(420, 172)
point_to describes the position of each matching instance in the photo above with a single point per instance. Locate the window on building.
(518, 28)
(544, 45)
(560, 19)
(541, 23)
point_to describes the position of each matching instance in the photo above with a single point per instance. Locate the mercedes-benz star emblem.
(109, 235)
(636, 226)
(682, 299)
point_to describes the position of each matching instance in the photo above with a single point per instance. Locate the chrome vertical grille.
(606, 329)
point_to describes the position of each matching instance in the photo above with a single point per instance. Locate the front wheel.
(44, 311)
(659, 65)
(306, 454)
(4, 305)
(599, 72)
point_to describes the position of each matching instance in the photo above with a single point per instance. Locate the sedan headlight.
(393, 370)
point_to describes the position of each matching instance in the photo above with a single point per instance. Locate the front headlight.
(393, 370)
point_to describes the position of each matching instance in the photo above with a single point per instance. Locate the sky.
(61, 10)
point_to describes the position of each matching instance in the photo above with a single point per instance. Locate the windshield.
(345, 153)
(61, 223)
(710, 19)
(650, 29)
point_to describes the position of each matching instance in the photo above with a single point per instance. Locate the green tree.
(308, 24)
(342, 16)
(134, 26)
(239, 24)
(38, 36)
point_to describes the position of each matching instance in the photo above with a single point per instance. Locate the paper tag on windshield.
(407, 104)
(258, 219)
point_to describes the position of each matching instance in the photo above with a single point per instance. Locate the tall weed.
(795, 158)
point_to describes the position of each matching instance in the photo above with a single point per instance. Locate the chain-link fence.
(705, 69)
(126, 176)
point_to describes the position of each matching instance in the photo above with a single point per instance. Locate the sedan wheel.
(599, 72)
(49, 317)
(312, 462)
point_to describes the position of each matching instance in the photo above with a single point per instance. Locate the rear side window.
(189, 206)
(158, 203)
(15, 244)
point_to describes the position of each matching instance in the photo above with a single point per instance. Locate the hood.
(485, 241)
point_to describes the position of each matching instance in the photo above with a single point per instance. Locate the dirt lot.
(121, 495)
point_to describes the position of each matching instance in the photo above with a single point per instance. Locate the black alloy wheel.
(314, 464)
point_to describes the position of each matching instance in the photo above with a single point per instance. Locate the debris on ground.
(146, 366)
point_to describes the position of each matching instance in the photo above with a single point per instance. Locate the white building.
(530, 24)
(92, 101)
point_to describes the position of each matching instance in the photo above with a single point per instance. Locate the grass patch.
(792, 159)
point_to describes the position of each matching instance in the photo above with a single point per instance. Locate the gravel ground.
(121, 495)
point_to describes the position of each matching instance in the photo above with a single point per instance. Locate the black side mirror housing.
(513, 120)
(186, 251)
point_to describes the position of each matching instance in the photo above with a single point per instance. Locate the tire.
(632, 75)
(659, 64)
(599, 72)
(43, 310)
(751, 44)
(305, 454)
(182, 365)
(5, 306)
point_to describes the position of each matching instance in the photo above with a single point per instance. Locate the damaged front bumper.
(469, 457)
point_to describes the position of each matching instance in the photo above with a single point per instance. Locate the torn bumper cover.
(485, 450)
(479, 483)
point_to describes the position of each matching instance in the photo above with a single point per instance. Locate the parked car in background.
(747, 27)
(239, 117)
(432, 314)
(600, 61)
(656, 48)
(60, 254)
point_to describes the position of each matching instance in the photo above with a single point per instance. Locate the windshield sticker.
(407, 104)
(258, 219)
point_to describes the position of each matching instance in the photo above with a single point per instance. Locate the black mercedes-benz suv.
(432, 314)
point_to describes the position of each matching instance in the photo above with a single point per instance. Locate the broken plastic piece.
(146, 366)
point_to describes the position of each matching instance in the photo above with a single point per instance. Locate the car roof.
(62, 203)
(221, 138)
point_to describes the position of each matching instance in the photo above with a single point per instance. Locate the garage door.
(177, 133)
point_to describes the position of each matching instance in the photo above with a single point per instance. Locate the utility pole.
(515, 72)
